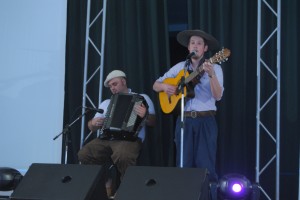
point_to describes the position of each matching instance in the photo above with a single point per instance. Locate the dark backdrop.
(140, 39)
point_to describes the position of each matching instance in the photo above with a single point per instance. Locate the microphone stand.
(66, 132)
(182, 85)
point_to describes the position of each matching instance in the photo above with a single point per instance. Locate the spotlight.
(9, 178)
(234, 186)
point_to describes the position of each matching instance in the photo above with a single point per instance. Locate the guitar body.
(168, 103)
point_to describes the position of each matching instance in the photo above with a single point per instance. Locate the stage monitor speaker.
(163, 183)
(62, 182)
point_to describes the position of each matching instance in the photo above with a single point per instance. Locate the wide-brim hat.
(114, 74)
(183, 38)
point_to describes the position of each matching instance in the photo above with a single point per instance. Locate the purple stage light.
(234, 186)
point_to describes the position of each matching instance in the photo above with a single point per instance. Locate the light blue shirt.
(203, 99)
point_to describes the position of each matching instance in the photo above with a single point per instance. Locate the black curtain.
(234, 23)
(138, 42)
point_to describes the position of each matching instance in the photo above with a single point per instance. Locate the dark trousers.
(122, 153)
(199, 143)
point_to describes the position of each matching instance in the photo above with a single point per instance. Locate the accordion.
(121, 122)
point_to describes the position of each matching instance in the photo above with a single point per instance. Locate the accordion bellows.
(121, 122)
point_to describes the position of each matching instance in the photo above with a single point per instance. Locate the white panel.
(32, 72)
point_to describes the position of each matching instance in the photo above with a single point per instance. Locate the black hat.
(184, 37)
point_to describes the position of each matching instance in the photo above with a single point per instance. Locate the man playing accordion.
(121, 152)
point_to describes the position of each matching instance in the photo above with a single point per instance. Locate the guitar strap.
(198, 77)
(191, 85)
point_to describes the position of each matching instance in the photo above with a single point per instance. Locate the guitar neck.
(219, 57)
(193, 74)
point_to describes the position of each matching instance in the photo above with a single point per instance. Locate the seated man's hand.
(98, 121)
(140, 110)
(95, 123)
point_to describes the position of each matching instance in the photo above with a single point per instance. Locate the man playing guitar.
(200, 128)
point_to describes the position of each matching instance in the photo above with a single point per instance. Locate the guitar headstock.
(220, 56)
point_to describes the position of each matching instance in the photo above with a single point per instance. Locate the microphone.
(191, 55)
(95, 109)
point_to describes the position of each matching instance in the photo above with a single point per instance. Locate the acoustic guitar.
(168, 103)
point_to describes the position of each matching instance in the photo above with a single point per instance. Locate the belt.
(195, 114)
